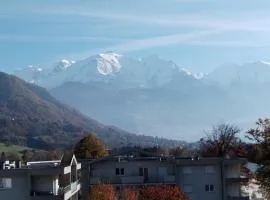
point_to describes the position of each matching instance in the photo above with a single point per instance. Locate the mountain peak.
(108, 63)
(151, 71)
(63, 65)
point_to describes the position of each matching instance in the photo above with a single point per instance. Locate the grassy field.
(11, 148)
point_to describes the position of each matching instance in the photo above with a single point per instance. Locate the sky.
(199, 35)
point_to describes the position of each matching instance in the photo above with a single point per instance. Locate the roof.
(67, 159)
(170, 159)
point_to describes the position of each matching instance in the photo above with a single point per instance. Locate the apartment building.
(41, 180)
(200, 178)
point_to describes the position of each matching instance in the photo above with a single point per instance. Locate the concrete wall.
(156, 170)
(233, 189)
(232, 171)
(192, 175)
(43, 183)
(19, 190)
(195, 177)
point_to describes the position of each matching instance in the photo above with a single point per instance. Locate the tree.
(222, 140)
(178, 151)
(102, 192)
(13, 156)
(90, 147)
(129, 194)
(162, 192)
(260, 136)
(27, 155)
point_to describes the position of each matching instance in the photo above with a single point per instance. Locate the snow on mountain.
(108, 63)
(197, 75)
(108, 67)
(30, 73)
(257, 72)
(63, 65)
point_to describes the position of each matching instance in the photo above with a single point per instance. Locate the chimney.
(18, 164)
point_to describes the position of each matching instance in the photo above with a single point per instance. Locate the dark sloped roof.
(66, 158)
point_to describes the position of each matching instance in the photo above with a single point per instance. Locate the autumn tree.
(260, 136)
(162, 192)
(102, 192)
(222, 140)
(129, 193)
(90, 147)
(178, 151)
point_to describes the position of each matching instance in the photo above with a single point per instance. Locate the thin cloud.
(202, 21)
(33, 38)
(228, 43)
(147, 43)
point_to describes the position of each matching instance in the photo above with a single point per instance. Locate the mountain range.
(30, 116)
(153, 96)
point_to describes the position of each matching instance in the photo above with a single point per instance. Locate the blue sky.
(197, 34)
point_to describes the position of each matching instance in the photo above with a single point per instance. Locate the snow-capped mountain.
(62, 65)
(154, 96)
(249, 73)
(107, 67)
(30, 73)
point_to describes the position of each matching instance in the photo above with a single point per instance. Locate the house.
(200, 178)
(42, 180)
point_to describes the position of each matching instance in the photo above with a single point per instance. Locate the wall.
(233, 189)
(197, 180)
(232, 171)
(43, 183)
(106, 170)
(19, 190)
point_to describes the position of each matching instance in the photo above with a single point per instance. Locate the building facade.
(42, 180)
(200, 178)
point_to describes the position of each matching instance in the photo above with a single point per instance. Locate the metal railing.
(72, 186)
(237, 198)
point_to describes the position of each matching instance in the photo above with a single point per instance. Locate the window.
(143, 171)
(140, 171)
(187, 188)
(119, 171)
(5, 183)
(209, 188)
(209, 170)
(187, 170)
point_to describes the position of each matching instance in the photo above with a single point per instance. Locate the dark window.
(117, 171)
(209, 188)
(140, 171)
(206, 188)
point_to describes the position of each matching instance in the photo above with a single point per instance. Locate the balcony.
(237, 180)
(133, 180)
(41, 195)
(237, 198)
(69, 190)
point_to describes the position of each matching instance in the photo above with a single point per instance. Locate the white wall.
(232, 171)
(233, 189)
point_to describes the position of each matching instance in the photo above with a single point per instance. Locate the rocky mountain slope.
(30, 116)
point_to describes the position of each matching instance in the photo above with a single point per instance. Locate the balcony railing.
(40, 193)
(237, 198)
(237, 180)
(72, 187)
(133, 180)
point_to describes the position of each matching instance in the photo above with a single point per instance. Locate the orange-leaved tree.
(162, 192)
(102, 192)
(90, 147)
(129, 193)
